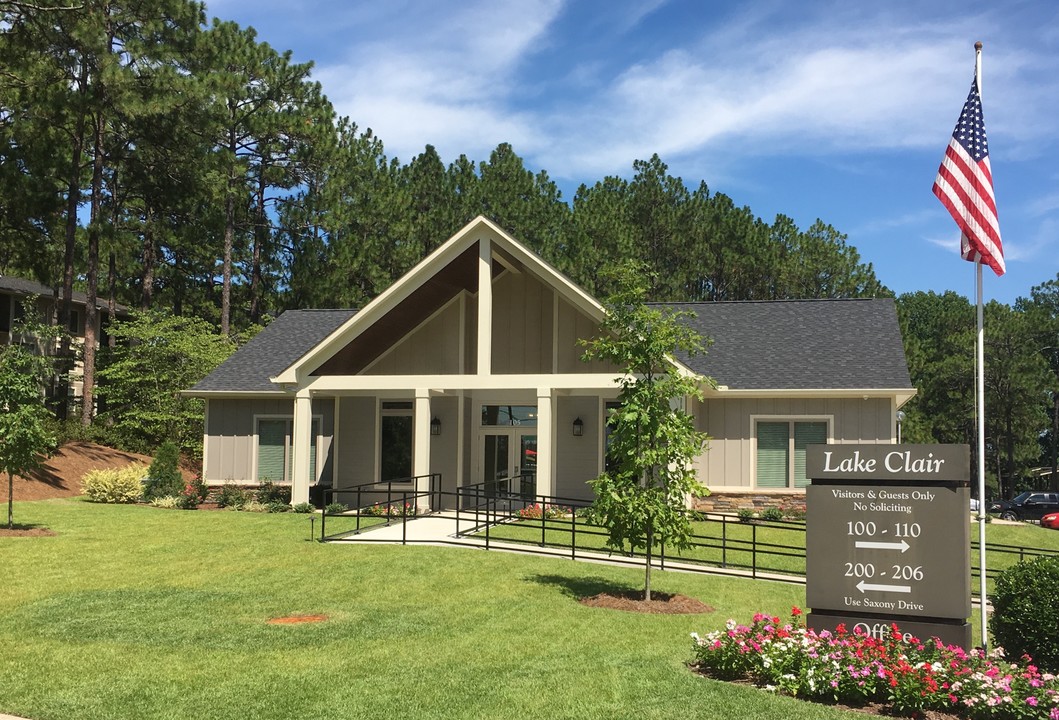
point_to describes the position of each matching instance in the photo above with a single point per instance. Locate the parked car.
(1051, 520)
(1030, 505)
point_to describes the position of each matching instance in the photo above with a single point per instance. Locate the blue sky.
(831, 110)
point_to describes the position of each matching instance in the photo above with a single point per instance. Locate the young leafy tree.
(642, 499)
(156, 355)
(25, 438)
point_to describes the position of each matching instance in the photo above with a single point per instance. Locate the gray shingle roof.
(801, 344)
(22, 287)
(780, 345)
(272, 350)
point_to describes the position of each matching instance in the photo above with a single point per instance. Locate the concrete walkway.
(440, 529)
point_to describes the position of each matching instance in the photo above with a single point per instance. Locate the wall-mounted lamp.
(435, 426)
(900, 419)
(579, 427)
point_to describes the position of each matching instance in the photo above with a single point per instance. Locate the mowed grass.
(135, 612)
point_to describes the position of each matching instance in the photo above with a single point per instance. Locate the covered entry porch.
(482, 430)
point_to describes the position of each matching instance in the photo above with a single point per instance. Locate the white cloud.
(444, 79)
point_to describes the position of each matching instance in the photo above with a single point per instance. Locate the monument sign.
(888, 539)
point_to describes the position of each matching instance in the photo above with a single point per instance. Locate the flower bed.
(391, 511)
(855, 669)
(539, 511)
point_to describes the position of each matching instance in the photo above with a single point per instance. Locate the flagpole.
(980, 406)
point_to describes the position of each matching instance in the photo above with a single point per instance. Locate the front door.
(509, 460)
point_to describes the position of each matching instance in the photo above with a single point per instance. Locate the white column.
(485, 307)
(302, 446)
(421, 443)
(545, 442)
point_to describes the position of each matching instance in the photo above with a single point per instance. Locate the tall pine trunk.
(260, 229)
(148, 258)
(229, 237)
(73, 200)
(92, 276)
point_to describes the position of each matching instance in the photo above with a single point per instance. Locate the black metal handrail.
(405, 492)
(483, 506)
(502, 488)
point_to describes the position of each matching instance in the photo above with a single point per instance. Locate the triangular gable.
(505, 250)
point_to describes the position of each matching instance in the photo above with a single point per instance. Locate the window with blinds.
(781, 448)
(773, 459)
(275, 449)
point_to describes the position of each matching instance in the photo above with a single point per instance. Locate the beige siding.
(522, 325)
(431, 349)
(356, 457)
(578, 457)
(729, 463)
(443, 447)
(231, 440)
(573, 326)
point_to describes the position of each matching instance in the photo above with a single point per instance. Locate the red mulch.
(26, 531)
(660, 603)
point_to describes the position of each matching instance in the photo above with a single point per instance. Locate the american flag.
(965, 186)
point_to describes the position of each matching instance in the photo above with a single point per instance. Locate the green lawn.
(135, 612)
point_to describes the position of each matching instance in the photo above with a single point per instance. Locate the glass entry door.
(509, 453)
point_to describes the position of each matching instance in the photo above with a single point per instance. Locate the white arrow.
(902, 546)
(863, 587)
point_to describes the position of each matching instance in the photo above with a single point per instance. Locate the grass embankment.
(135, 612)
(781, 546)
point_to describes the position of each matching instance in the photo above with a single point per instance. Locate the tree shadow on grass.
(581, 587)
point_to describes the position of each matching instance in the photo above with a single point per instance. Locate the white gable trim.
(478, 229)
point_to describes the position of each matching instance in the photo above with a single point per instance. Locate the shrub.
(277, 506)
(303, 507)
(164, 478)
(270, 492)
(772, 513)
(1025, 617)
(169, 502)
(232, 496)
(195, 491)
(745, 515)
(252, 505)
(113, 485)
(335, 508)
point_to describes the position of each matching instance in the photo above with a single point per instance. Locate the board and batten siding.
(573, 325)
(357, 420)
(231, 440)
(729, 464)
(578, 457)
(522, 325)
(433, 348)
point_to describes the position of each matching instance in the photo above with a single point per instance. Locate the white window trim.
(755, 419)
(319, 418)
